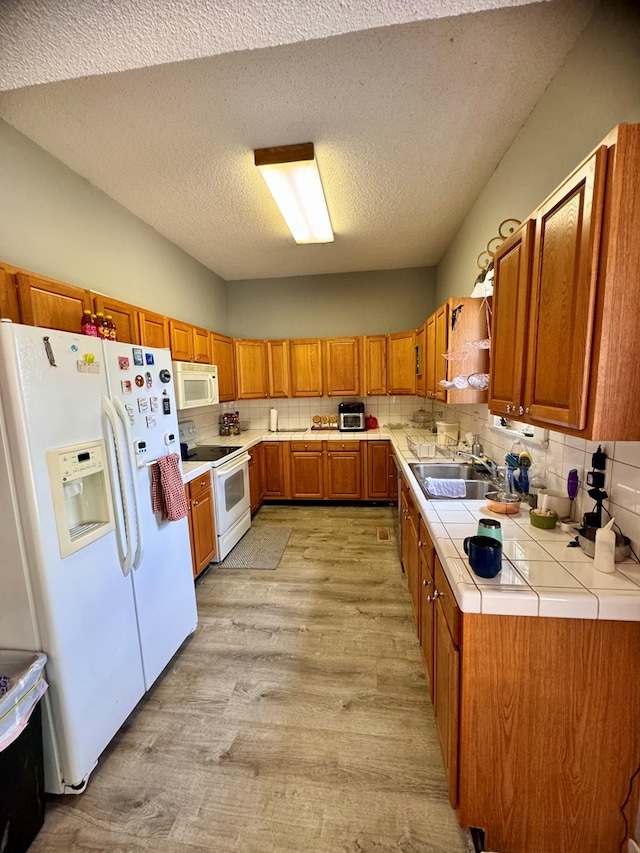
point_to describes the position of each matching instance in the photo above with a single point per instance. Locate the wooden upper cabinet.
(421, 348)
(512, 281)
(181, 337)
(306, 367)
(9, 308)
(201, 345)
(342, 358)
(154, 329)
(223, 356)
(52, 304)
(278, 368)
(430, 360)
(401, 363)
(375, 363)
(251, 369)
(124, 316)
(441, 346)
(563, 297)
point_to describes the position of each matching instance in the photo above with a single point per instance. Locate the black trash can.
(22, 799)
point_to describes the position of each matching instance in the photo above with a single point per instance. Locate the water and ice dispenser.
(81, 490)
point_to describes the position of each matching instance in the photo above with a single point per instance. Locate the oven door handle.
(230, 467)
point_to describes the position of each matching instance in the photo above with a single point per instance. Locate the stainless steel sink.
(477, 483)
(294, 429)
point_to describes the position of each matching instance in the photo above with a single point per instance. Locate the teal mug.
(490, 527)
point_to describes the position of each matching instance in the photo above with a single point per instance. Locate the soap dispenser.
(605, 554)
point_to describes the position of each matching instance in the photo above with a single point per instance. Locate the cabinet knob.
(196, 503)
(528, 410)
(508, 407)
(437, 594)
(426, 583)
(521, 410)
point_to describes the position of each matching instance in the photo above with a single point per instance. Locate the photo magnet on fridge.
(137, 356)
(123, 361)
(143, 404)
(149, 357)
(126, 386)
(154, 403)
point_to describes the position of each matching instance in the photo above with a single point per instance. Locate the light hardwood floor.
(295, 720)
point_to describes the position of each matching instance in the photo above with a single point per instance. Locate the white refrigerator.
(89, 574)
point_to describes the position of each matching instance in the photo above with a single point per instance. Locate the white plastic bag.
(27, 686)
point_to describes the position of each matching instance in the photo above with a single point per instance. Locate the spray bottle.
(605, 554)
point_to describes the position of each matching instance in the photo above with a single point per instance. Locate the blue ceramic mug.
(490, 527)
(485, 555)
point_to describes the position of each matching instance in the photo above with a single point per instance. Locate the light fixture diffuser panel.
(297, 190)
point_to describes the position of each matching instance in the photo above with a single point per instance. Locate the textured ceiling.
(409, 119)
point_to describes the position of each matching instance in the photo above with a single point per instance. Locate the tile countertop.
(246, 440)
(540, 575)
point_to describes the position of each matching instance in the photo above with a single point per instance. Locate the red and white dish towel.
(167, 489)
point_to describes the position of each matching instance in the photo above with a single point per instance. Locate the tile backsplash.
(564, 452)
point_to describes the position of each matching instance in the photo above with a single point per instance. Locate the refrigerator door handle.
(126, 559)
(124, 418)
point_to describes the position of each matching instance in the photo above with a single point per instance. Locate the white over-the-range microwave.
(195, 384)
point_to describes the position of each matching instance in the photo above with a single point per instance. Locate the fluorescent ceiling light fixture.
(291, 173)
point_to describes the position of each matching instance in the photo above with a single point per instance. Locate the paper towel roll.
(273, 420)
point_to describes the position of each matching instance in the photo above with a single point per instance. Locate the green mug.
(490, 527)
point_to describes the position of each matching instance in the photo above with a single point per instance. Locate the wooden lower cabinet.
(409, 539)
(201, 524)
(343, 471)
(538, 719)
(256, 476)
(381, 472)
(306, 470)
(276, 469)
(426, 565)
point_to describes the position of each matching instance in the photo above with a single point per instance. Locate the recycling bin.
(22, 799)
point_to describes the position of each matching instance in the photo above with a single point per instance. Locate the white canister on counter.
(604, 559)
(273, 420)
(556, 501)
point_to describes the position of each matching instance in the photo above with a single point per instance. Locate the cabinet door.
(201, 345)
(51, 304)
(341, 360)
(430, 361)
(512, 279)
(446, 704)
(441, 343)
(256, 476)
(124, 316)
(421, 348)
(181, 337)
(204, 538)
(154, 330)
(306, 367)
(426, 560)
(375, 356)
(222, 355)
(251, 369)
(563, 296)
(306, 464)
(378, 470)
(413, 569)
(343, 475)
(9, 296)
(275, 473)
(278, 364)
(401, 363)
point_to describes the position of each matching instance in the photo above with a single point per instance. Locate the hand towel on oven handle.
(167, 489)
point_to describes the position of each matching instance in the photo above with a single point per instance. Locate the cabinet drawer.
(343, 445)
(448, 603)
(199, 485)
(306, 445)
